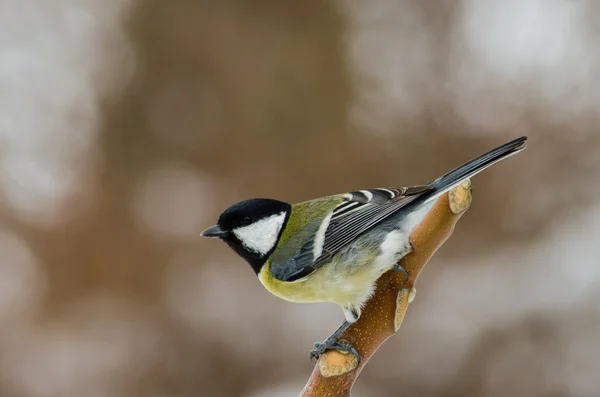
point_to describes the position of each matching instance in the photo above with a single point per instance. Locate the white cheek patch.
(261, 236)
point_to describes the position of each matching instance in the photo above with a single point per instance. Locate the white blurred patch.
(514, 54)
(520, 365)
(580, 363)
(173, 200)
(211, 296)
(22, 282)
(96, 349)
(391, 51)
(59, 60)
(500, 59)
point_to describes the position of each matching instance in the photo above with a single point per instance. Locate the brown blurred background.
(126, 126)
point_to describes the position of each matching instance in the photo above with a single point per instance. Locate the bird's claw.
(322, 347)
(399, 268)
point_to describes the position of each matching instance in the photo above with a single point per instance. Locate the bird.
(335, 248)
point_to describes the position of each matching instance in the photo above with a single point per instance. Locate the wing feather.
(360, 211)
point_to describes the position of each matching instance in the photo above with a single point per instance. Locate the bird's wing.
(359, 211)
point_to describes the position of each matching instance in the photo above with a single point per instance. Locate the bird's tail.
(446, 182)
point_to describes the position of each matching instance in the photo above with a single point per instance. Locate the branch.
(335, 373)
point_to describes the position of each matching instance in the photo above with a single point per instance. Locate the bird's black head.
(252, 228)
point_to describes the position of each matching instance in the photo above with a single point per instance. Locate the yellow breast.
(326, 284)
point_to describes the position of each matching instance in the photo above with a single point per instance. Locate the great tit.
(334, 248)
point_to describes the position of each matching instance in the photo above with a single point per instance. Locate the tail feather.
(446, 182)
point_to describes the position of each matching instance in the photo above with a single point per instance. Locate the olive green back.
(304, 221)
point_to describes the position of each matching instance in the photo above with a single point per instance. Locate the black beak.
(214, 231)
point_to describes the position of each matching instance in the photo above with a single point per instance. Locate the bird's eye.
(247, 220)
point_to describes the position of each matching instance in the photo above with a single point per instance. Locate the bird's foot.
(399, 268)
(329, 344)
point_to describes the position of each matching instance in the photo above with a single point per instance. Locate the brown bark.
(335, 373)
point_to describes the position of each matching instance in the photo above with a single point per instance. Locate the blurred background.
(127, 126)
